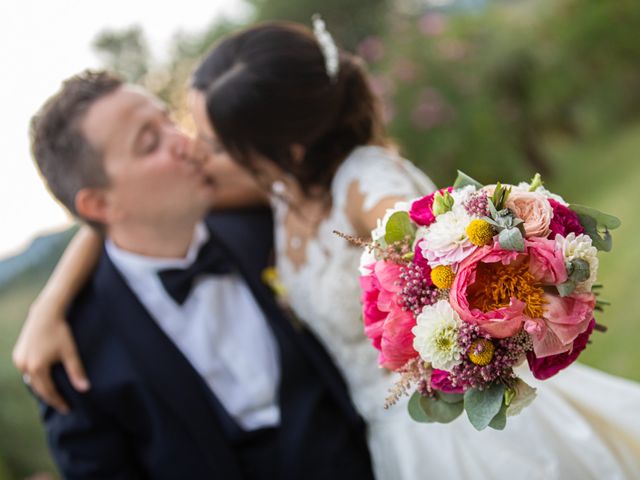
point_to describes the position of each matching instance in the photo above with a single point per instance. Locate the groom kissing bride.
(195, 372)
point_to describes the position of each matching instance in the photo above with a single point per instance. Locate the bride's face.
(217, 162)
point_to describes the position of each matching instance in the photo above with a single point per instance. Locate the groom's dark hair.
(65, 158)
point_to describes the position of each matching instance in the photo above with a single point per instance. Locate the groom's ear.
(93, 204)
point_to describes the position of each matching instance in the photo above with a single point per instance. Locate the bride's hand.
(45, 340)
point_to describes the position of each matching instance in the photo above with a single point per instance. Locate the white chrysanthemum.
(580, 246)
(543, 191)
(436, 336)
(461, 195)
(366, 259)
(379, 232)
(446, 242)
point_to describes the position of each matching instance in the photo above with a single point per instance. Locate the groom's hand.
(41, 345)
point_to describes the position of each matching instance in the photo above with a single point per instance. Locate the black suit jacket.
(150, 415)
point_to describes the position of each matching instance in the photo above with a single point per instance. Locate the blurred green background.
(499, 89)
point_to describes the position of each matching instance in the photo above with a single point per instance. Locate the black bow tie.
(178, 281)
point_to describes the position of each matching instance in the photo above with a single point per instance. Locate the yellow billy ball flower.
(481, 352)
(480, 232)
(442, 276)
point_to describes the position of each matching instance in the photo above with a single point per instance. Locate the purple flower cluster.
(477, 205)
(416, 289)
(508, 352)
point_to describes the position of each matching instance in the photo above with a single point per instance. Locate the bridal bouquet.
(461, 286)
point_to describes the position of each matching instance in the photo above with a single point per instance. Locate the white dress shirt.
(219, 328)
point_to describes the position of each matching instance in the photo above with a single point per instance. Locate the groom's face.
(152, 177)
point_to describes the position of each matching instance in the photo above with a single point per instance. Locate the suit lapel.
(248, 238)
(164, 368)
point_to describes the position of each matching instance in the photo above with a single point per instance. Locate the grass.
(605, 174)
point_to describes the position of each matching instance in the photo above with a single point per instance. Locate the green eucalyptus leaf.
(398, 227)
(580, 270)
(450, 397)
(511, 239)
(603, 220)
(441, 411)
(483, 405)
(464, 180)
(567, 288)
(415, 409)
(601, 242)
(500, 420)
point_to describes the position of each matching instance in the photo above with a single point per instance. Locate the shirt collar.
(135, 264)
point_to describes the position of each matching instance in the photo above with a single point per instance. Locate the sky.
(42, 42)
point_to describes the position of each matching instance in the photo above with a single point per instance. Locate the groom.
(195, 371)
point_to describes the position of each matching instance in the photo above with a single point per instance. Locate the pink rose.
(546, 262)
(422, 209)
(564, 220)
(565, 318)
(385, 323)
(502, 322)
(440, 381)
(534, 209)
(546, 367)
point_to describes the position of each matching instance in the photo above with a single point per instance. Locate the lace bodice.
(324, 291)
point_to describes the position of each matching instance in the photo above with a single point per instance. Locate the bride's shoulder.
(379, 172)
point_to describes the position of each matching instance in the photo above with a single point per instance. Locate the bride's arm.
(45, 338)
(364, 221)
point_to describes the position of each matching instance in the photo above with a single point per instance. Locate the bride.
(300, 116)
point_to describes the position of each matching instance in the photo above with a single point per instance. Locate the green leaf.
(500, 420)
(579, 270)
(442, 203)
(464, 180)
(450, 397)
(601, 242)
(603, 220)
(398, 227)
(483, 405)
(511, 239)
(567, 288)
(536, 182)
(415, 409)
(441, 411)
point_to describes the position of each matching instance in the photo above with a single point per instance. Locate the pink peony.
(564, 220)
(500, 323)
(546, 367)
(385, 323)
(440, 381)
(546, 262)
(422, 209)
(565, 318)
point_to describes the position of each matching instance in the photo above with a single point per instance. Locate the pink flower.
(500, 323)
(440, 381)
(564, 220)
(534, 209)
(385, 323)
(565, 318)
(546, 367)
(422, 209)
(546, 262)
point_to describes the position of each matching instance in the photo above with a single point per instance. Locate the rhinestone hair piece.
(327, 46)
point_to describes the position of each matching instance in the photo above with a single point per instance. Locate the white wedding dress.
(583, 424)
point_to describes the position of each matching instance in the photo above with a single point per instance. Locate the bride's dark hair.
(267, 89)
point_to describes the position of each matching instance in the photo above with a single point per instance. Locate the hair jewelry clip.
(327, 46)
